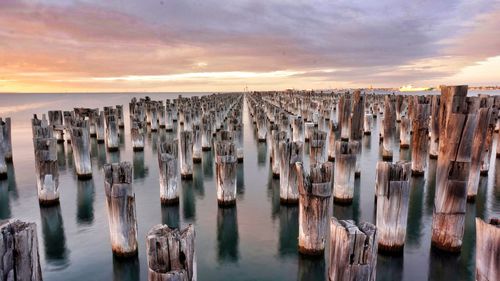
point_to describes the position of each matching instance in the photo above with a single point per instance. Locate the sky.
(208, 45)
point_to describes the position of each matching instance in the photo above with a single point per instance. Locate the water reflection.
(349, 211)
(170, 215)
(85, 201)
(431, 186)
(207, 160)
(5, 212)
(261, 153)
(188, 200)
(405, 154)
(101, 155)
(390, 267)
(240, 181)
(11, 179)
(289, 230)
(273, 193)
(113, 156)
(311, 268)
(61, 157)
(121, 136)
(198, 180)
(227, 235)
(141, 171)
(69, 157)
(481, 197)
(367, 142)
(126, 269)
(415, 211)
(54, 239)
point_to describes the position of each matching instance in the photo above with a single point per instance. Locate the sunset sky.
(208, 45)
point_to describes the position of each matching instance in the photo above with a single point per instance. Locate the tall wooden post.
(344, 112)
(388, 128)
(137, 134)
(477, 152)
(80, 143)
(19, 251)
(290, 153)
(315, 191)
(6, 138)
(487, 250)
(186, 154)
(169, 172)
(434, 127)
(404, 132)
(368, 124)
(392, 191)
(353, 251)
(197, 150)
(333, 137)
(317, 147)
(277, 136)
(112, 139)
(226, 167)
(345, 166)
(455, 141)
(46, 167)
(298, 129)
(171, 254)
(420, 136)
(488, 142)
(99, 127)
(56, 122)
(120, 200)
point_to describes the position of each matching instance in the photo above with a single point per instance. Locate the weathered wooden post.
(404, 132)
(120, 200)
(261, 127)
(392, 193)
(332, 139)
(368, 124)
(19, 251)
(6, 138)
(488, 142)
(315, 191)
(388, 128)
(225, 168)
(487, 250)
(344, 112)
(186, 154)
(169, 172)
(399, 107)
(420, 136)
(345, 166)
(206, 133)
(277, 136)
(317, 147)
(171, 254)
(112, 139)
(484, 114)
(80, 143)
(308, 130)
(434, 127)
(137, 134)
(99, 127)
(290, 153)
(119, 116)
(353, 251)
(3, 164)
(298, 129)
(46, 168)
(197, 149)
(56, 122)
(455, 141)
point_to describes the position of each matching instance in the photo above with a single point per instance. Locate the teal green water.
(257, 240)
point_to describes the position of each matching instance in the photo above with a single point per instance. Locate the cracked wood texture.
(456, 131)
(392, 193)
(80, 143)
(171, 254)
(226, 164)
(290, 153)
(388, 127)
(169, 172)
(315, 191)
(420, 136)
(6, 138)
(353, 251)
(19, 251)
(345, 166)
(487, 250)
(120, 200)
(317, 147)
(186, 154)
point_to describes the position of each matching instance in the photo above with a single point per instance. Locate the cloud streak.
(163, 45)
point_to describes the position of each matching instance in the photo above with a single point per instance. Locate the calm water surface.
(257, 240)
